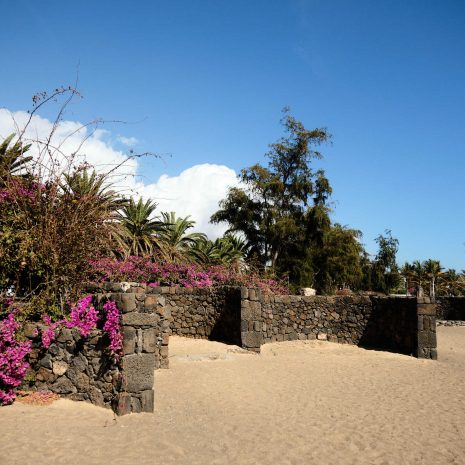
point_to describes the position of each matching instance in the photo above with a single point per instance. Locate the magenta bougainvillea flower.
(112, 328)
(13, 353)
(84, 317)
(190, 275)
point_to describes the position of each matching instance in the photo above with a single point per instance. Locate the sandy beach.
(302, 402)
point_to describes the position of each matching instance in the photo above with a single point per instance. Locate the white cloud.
(69, 137)
(196, 191)
(127, 141)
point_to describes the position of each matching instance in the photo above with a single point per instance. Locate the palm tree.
(454, 282)
(433, 270)
(228, 249)
(80, 185)
(418, 276)
(12, 160)
(140, 229)
(204, 252)
(408, 272)
(175, 243)
(231, 249)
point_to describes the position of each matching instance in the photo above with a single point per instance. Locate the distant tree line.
(282, 211)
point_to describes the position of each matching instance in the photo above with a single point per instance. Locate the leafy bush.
(54, 216)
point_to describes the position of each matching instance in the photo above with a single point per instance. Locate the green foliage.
(345, 252)
(385, 274)
(174, 241)
(50, 228)
(429, 274)
(12, 159)
(452, 283)
(139, 226)
(282, 209)
(226, 250)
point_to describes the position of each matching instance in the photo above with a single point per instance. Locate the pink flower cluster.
(190, 275)
(112, 328)
(13, 352)
(48, 334)
(18, 190)
(84, 316)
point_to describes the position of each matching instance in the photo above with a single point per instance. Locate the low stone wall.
(450, 308)
(211, 313)
(82, 369)
(400, 325)
(450, 323)
(74, 367)
(336, 319)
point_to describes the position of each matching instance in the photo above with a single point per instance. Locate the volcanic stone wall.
(336, 319)
(400, 325)
(209, 313)
(83, 369)
(74, 367)
(146, 328)
(450, 308)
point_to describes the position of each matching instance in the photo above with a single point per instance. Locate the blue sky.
(205, 82)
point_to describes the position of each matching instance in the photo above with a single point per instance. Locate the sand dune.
(302, 402)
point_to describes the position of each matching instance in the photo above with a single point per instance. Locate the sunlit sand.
(302, 402)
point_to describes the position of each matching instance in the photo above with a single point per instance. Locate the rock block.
(65, 335)
(150, 301)
(427, 339)
(123, 406)
(129, 340)
(251, 339)
(147, 401)
(138, 372)
(59, 368)
(149, 340)
(63, 386)
(135, 405)
(244, 293)
(128, 302)
(252, 311)
(426, 309)
(96, 396)
(140, 319)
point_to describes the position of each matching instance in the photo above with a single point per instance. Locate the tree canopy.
(282, 208)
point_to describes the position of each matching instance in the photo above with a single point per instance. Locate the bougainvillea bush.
(13, 353)
(48, 233)
(190, 275)
(83, 316)
(86, 318)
